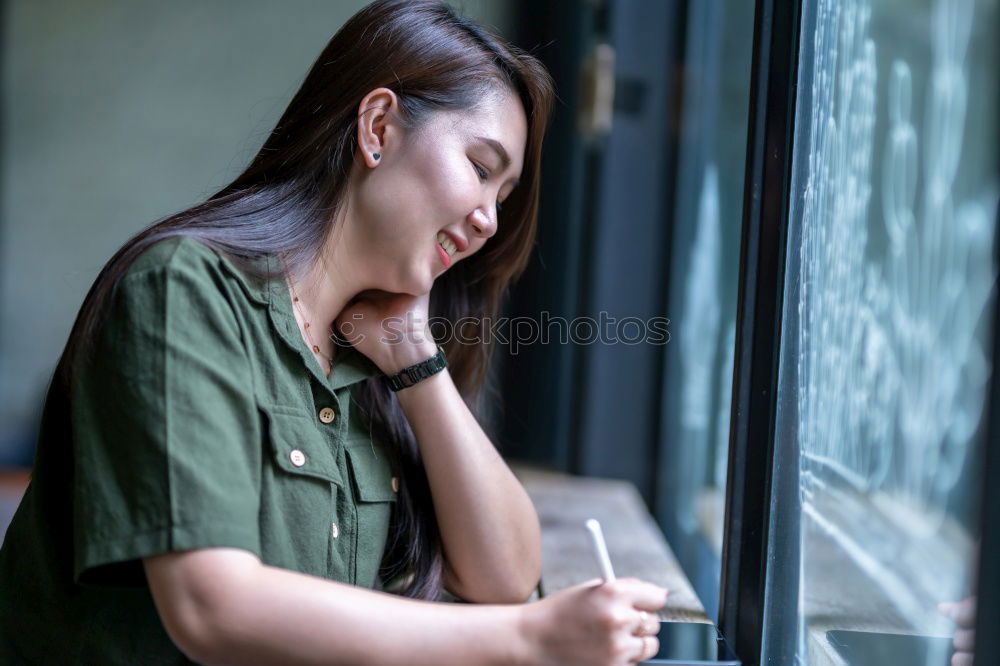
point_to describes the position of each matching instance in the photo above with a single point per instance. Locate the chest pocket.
(298, 447)
(374, 493)
(301, 490)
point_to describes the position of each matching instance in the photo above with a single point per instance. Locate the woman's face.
(432, 197)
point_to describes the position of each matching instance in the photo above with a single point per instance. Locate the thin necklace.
(307, 326)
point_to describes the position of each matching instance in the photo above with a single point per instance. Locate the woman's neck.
(332, 282)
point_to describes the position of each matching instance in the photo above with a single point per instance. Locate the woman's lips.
(445, 259)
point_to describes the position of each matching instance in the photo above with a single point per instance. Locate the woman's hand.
(390, 329)
(963, 614)
(595, 623)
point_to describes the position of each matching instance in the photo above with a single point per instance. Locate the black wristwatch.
(418, 371)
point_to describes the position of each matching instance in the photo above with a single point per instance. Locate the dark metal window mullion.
(761, 284)
(987, 651)
(988, 594)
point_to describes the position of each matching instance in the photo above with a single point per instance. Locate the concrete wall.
(115, 114)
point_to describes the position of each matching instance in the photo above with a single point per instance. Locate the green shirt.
(203, 420)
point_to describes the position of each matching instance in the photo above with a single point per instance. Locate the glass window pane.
(887, 307)
(704, 275)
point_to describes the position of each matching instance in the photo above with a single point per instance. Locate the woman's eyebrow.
(500, 150)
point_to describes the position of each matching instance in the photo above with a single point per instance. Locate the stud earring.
(376, 156)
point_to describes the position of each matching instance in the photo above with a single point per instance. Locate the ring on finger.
(643, 623)
(647, 624)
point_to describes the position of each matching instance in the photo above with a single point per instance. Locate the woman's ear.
(378, 125)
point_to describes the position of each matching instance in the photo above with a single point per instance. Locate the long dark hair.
(285, 201)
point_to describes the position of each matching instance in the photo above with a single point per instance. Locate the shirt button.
(297, 457)
(335, 531)
(326, 415)
(395, 484)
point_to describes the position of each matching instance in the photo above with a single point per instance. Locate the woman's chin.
(416, 285)
(424, 287)
(414, 282)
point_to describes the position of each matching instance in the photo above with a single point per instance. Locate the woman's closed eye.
(484, 175)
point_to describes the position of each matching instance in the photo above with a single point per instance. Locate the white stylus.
(600, 550)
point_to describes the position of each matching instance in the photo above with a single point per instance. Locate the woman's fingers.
(645, 596)
(648, 647)
(647, 624)
(963, 613)
(961, 659)
(598, 623)
(964, 640)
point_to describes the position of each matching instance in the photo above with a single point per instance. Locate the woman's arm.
(223, 606)
(489, 528)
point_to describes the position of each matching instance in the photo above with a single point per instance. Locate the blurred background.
(117, 113)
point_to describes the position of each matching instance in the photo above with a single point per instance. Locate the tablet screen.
(865, 648)
(692, 643)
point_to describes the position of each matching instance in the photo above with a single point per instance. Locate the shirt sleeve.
(166, 441)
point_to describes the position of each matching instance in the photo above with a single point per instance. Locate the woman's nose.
(483, 223)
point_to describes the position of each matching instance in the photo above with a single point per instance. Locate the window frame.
(553, 433)
(988, 576)
(767, 193)
(767, 199)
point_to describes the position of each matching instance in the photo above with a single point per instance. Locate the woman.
(217, 479)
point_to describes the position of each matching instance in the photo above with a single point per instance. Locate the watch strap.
(418, 371)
